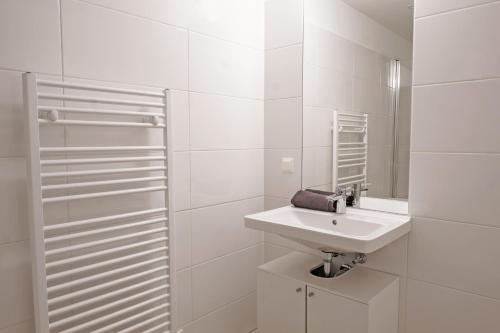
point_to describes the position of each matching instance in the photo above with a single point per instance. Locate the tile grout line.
(454, 289)
(186, 28)
(451, 11)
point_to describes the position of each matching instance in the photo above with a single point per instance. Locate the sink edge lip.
(308, 235)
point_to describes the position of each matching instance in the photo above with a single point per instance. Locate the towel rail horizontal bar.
(111, 327)
(156, 328)
(52, 301)
(103, 194)
(102, 182)
(147, 322)
(97, 254)
(351, 182)
(79, 86)
(108, 218)
(352, 131)
(98, 149)
(99, 231)
(363, 121)
(102, 319)
(98, 123)
(103, 297)
(98, 100)
(352, 160)
(100, 111)
(99, 309)
(353, 148)
(95, 277)
(350, 165)
(59, 275)
(76, 247)
(352, 154)
(101, 172)
(102, 160)
(351, 177)
(352, 126)
(352, 115)
(351, 143)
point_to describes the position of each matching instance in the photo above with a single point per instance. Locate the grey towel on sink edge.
(315, 201)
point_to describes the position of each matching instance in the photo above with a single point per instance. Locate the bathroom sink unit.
(355, 231)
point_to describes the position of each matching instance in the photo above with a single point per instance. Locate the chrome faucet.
(341, 198)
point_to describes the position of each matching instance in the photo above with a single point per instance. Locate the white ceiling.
(393, 14)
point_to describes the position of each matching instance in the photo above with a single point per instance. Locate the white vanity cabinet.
(290, 300)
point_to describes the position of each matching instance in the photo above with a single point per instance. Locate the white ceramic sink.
(356, 231)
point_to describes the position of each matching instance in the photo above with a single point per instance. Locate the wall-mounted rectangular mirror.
(357, 69)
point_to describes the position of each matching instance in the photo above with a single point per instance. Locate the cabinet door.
(329, 313)
(281, 305)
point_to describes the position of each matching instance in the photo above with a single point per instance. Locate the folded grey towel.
(312, 200)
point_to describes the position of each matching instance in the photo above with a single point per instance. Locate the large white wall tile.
(180, 120)
(317, 166)
(183, 243)
(167, 11)
(237, 317)
(458, 187)
(219, 230)
(240, 21)
(12, 141)
(436, 309)
(460, 117)
(217, 66)
(279, 183)
(13, 197)
(223, 176)
(283, 123)
(24, 327)
(283, 72)
(318, 124)
(221, 122)
(468, 52)
(430, 7)
(283, 22)
(30, 35)
(461, 255)
(184, 297)
(15, 286)
(182, 180)
(103, 44)
(272, 252)
(391, 258)
(213, 287)
(327, 88)
(275, 202)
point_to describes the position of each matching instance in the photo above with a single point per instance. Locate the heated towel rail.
(350, 149)
(100, 207)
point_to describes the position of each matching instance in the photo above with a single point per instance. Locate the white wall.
(455, 242)
(211, 53)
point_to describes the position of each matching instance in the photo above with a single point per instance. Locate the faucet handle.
(340, 190)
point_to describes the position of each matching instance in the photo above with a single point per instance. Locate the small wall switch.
(288, 164)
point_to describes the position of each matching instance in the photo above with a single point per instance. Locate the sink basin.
(355, 231)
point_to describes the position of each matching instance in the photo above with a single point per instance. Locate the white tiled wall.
(212, 53)
(454, 179)
(283, 108)
(283, 95)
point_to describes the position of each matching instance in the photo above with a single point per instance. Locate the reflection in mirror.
(357, 97)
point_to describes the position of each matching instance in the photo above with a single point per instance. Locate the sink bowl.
(355, 231)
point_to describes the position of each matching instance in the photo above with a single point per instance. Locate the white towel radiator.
(100, 207)
(350, 149)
